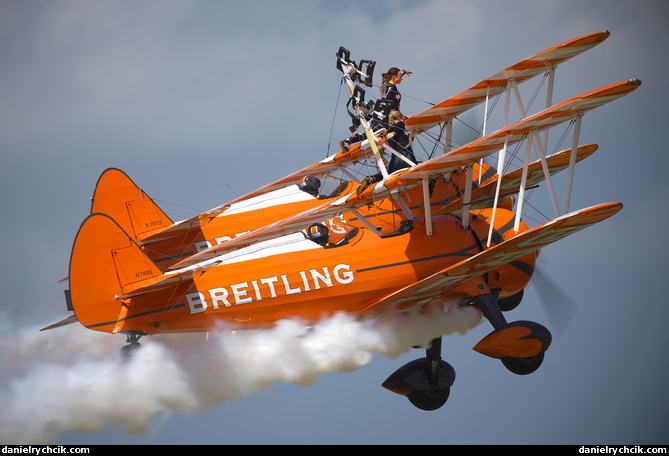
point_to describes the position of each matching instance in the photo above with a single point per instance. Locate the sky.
(200, 101)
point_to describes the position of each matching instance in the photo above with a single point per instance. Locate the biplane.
(448, 227)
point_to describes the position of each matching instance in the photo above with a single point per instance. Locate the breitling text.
(269, 287)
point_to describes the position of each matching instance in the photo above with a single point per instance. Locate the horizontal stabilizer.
(526, 242)
(67, 321)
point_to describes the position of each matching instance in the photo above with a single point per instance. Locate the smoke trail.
(72, 379)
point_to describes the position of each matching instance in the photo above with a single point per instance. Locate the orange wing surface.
(356, 152)
(496, 84)
(520, 245)
(511, 134)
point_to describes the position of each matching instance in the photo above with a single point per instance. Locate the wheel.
(429, 400)
(128, 351)
(511, 302)
(523, 366)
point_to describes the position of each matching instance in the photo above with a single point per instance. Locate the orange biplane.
(316, 242)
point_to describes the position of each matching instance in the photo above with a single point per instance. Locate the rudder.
(105, 261)
(119, 197)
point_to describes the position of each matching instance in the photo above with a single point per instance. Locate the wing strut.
(365, 222)
(541, 146)
(540, 142)
(502, 157)
(534, 139)
(427, 205)
(468, 197)
(549, 97)
(449, 136)
(572, 162)
(523, 182)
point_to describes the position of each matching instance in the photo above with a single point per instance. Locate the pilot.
(311, 185)
(319, 234)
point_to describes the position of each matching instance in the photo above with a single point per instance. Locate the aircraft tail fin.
(106, 262)
(119, 197)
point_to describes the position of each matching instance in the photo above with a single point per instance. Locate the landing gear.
(519, 345)
(128, 351)
(426, 382)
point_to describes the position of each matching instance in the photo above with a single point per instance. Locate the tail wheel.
(128, 351)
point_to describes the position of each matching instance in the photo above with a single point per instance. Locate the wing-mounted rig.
(366, 114)
(445, 226)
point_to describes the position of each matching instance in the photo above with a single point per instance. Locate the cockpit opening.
(320, 234)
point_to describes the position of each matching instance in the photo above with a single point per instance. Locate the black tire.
(429, 400)
(511, 302)
(128, 351)
(523, 366)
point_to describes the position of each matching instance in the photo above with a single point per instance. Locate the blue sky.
(201, 100)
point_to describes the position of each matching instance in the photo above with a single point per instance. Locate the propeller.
(559, 306)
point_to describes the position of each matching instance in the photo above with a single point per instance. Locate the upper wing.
(526, 242)
(496, 84)
(413, 176)
(514, 133)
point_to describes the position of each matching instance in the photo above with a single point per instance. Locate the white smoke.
(72, 379)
